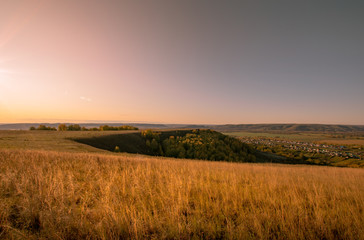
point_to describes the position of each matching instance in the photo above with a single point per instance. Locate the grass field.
(54, 188)
(51, 195)
(51, 140)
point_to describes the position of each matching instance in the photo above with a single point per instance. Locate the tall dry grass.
(49, 195)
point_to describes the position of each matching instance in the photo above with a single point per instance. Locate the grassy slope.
(45, 194)
(64, 141)
(59, 194)
(131, 143)
(51, 140)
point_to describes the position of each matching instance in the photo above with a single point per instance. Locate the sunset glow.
(181, 62)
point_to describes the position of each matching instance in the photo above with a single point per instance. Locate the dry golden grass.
(50, 195)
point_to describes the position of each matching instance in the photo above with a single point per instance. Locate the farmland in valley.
(333, 149)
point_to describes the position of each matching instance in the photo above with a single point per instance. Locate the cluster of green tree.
(43, 127)
(199, 144)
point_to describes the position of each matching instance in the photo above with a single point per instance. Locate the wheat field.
(50, 195)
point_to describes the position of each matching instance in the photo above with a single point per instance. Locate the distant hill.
(286, 128)
(289, 128)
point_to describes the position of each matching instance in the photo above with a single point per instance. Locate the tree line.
(43, 127)
(77, 127)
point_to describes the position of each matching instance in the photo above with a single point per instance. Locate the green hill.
(193, 144)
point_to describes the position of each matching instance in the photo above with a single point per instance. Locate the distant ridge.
(222, 128)
(289, 128)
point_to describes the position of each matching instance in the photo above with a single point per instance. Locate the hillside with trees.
(193, 144)
(199, 144)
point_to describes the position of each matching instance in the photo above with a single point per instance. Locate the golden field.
(52, 195)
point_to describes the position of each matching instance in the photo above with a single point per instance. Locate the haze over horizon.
(188, 62)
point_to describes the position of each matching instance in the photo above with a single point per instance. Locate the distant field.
(304, 137)
(53, 195)
(359, 142)
(307, 137)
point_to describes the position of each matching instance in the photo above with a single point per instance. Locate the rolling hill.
(290, 128)
(283, 128)
(52, 187)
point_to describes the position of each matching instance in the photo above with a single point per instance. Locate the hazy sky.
(187, 61)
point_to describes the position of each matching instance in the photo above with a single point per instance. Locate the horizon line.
(155, 123)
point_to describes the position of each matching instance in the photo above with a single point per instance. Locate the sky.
(190, 61)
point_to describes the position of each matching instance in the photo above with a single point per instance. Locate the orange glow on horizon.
(123, 61)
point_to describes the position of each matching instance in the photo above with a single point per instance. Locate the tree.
(154, 145)
(74, 127)
(43, 127)
(62, 127)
